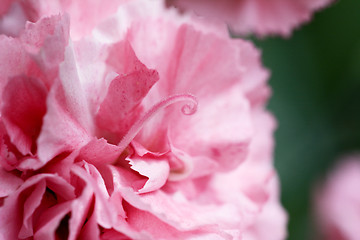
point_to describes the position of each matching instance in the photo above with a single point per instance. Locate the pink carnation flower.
(337, 202)
(262, 17)
(153, 127)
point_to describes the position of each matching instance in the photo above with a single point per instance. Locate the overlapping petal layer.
(154, 127)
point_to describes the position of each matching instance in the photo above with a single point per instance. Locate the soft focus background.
(316, 99)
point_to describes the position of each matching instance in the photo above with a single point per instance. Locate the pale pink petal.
(60, 131)
(12, 18)
(85, 19)
(157, 170)
(90, 57)
(13, 60)
(67, 123)
(337, 201)
(265, 221)
(46, 41)
(220, 130)
(176, 216)
(188, 64)
(262, 17)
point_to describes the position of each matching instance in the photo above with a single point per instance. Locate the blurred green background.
(316, 99)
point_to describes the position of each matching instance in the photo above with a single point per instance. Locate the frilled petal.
(262, 17)
(126, 91)
(189, 64)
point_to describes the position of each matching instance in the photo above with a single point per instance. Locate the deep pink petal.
(13, 210)
(50, 221)
(126, 91)
(9, 183)
(24, 105)
(30, 205)
(5, 5)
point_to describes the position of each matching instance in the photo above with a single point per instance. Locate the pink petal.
(220, 130)
(90, 231)
(126, 91)
(30, 205)
(9, 183)
(175, 215)
(13, 60)
(99, 152)
(60, 131)
(84, 20)
(12, 18)
(50, 221)
(188, 64)
(13, 210)
(104, 211)
(80, 208)
(265, 221)
(5, 6)
(156, 170)
(67, 123)
(337, 201)
(262, 17)
(24, 105)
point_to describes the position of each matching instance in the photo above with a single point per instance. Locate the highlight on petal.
(156, 170)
